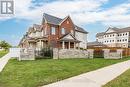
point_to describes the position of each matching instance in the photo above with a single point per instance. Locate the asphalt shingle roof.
(95, 43)
(56, 21)
(52, 19)
(116, 30)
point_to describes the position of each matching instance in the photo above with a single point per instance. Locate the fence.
(14, 52)
(44, 53)
(99, 53)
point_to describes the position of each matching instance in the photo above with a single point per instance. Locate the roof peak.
(45, 14)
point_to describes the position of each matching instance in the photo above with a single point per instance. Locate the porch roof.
(70, 40)
(69, 37)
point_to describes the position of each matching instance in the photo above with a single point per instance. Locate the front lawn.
(41, 72)
(121, 81)
(2, 53)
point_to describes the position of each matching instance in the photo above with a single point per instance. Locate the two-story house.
(55, 32)
(115, 37)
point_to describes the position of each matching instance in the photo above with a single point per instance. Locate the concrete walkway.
(4, 60)
(95, 78)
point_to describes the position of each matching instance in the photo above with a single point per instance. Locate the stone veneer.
(112, 55)
(27, 54)
(72, 53)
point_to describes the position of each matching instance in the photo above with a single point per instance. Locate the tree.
(5, 45)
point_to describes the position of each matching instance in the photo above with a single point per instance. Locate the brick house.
(55, 32)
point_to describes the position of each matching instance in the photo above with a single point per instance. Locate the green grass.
(121, 81)
(41, 72)
(2, 53)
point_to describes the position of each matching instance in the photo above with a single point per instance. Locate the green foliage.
(5, 45)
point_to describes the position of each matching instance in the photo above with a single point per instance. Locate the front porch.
(69, 44)
(68, 41)
(38, 44)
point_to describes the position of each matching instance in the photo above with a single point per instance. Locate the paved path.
(4, 61)
(95, 78)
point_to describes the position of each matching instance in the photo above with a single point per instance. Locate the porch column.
(63, 45)
(69, 44)
(29, 45)
(40, 44)
(74, 45)
(78, 46)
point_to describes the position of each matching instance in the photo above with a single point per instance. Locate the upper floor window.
(72, 32)
(45, 31)
(63, 31)
(53, 30)
(67, 22)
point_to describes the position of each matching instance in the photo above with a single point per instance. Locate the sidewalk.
(4, 61)
(95, 78)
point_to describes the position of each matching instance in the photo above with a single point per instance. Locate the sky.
(93, 15)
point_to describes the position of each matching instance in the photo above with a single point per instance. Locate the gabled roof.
(64, 19)
(127, 29)
(77, 28)
(116, 30)
(100, 34)
(65, 38)
(52, 19)
(57, 21)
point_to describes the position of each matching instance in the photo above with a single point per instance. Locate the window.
(53, 30)
(63, 31)
(73, 32)
(45, 31)
(67, 22)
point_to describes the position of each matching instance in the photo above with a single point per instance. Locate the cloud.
(82, 11)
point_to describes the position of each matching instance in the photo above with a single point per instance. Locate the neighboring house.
(95, 44)
(55, 32)
(115, 37)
